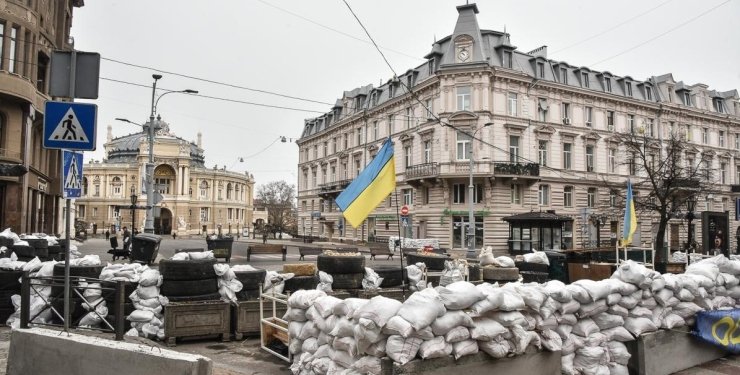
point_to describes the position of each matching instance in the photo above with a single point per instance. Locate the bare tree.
(669, 171)
(279, 200)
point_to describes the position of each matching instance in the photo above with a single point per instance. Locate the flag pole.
(400, 247)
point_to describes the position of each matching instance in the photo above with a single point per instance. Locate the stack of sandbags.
(228, 285)
(39, 295)
(147, 320)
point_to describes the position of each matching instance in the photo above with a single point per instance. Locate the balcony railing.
(331, 187)
(422, 170)
(516, 169)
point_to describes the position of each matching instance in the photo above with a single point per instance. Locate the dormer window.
(507, 59)
(584, 79)
(648, 93)
(540, 70)
(430, 65)
(564, 75)
(628, 88)
(686, 98)
(607, 84)
(390, 90)
(719, 105)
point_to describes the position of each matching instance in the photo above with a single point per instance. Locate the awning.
(537, 217)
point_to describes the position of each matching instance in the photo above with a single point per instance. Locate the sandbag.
(486, 329)
(402, 350)
(463, 348)
(459, 295)
(422, 308)
(303, 299)
(435, 348)
(638, 326)
(496, 349)
(457, 334)
(379, 309)
(450, 320)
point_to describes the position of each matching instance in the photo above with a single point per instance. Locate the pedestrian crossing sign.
(70, 126)
(71, 174)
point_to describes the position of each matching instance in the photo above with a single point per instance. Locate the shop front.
(541, 231)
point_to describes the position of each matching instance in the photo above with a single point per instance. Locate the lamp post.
(134, 199)
(691, 205)
(471, 191)
(149, 223)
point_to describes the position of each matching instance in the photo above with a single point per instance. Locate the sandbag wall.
(587, 321)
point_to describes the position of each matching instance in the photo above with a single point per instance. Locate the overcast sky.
(315, 50)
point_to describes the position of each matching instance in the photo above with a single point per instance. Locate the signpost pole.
(72, 78)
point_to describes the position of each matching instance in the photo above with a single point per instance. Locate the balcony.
(419, 174)
(332, 189)
(516, 171)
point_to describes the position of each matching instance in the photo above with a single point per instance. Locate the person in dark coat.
(264, 237)
(126, 239)
(107, 234)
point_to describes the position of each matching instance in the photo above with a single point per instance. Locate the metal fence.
(109, 291)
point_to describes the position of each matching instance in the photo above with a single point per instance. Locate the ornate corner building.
(194, 199)
(548, 130)
(29, 31)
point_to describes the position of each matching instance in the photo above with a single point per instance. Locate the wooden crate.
(270, 333)
(246, 317)
(197, 318)
(590, 271)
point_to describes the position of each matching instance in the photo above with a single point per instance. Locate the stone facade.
(196, 199)
(548, 128)
(29, 32)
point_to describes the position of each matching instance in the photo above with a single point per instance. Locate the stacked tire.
(9, 285)
(76, 311)
(500, 274)
(40, 246)
(24, 253)
(55, 252)
(189, 280)
(347, 270)
(433, 262)
(251, 281)
(128, 306)
(533, 272)
(393, 276)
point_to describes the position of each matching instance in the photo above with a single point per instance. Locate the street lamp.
(134, 199)
(691, 205)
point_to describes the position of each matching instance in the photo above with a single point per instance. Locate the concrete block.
(541, 363)
(41, 351)
(665, 352)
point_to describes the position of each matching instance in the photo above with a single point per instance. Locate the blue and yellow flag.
(370, 188)
(630, 218)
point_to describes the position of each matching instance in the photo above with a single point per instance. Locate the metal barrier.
(274, 323)
(35, 284)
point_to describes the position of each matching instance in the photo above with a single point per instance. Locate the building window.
(458, 193)
(463, 98)
(375, 130)
(737, 174)
(589, 158)
(540, 70)
(460, 231)
(607, 84)
(314, 179)
(477, 193)
(358, 167)
(719, 104)
(430, 109)
(95, 212)
(333, 173)
(305, 181)
(425, 194)
(565, 112)
(631, 123)
(650, 128)
(612, 198)
(705, 135)
(81, 211)
(390, 125)
(649, 92)
(610, 120)
(584, 80)
(723, 173)
(542, 153)
(725, 202)
(512, 104)
(204, 214)
(409, 115)
(591, 197)
(516, 194)
(564, 75)
(323, 180)
(326, 149)
(427, 151)
(628, 86)
(408, 196)
(687, 98)
(567, 151)
(612, 160)
(97, 191)
(464, 143)
(13, 49)
(2, 45)
(164, 185)
(568, 196)
(543, 195)
(706, 170)
(407, 156)
(513, 148)
(203, 190)
(359, 136)
(507, 59)
(588, 116)
(315, 152)
(689, 133)
(334, 145)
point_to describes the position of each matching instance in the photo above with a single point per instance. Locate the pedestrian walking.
(107, 234)
(264, 237)
(174, 235)
(126, 239)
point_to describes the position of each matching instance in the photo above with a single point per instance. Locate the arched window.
(237, 195)
(116, 186)
(229, 191)
(84, 186)
(203, 189)
(164, 179)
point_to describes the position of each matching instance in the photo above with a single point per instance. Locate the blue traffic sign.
(70, 126)
(71, 174)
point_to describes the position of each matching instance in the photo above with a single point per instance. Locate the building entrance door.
(163, 223)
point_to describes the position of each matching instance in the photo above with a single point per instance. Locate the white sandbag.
(617, 369)
(631, 272)
(539, 257)
(579, 293)
(570, 307)
(343, 328)
(522, 338)
(309, 329)
(662, 296)
(569, 319)
(422, 308)
(303, 299)
(585, 327)
(325, 305)
(533, 296)
(613, 299)
(379, 309)
(372, 280)
(486, 329)
(618, 352)
(309, 345)
(493, 300)
(348, 306)
(402, 350)
(376, 349)
(140, 316)
(606, 320)
(450, 320)
(618, 334)
(463, 348)
(706, 269)
(486, 256)
(543, 324)
(367, 365)
(325, 282)
(512, 301)
(459, 295)
(295, 328)
(592, 309)
(346, 344)
(549, 307)
(628, 302)
(588, 359)
(595, 339)
(424, 334)
(566, 365)
(638, 326)
(435, 348)
(504, 261)
(569, 345)
(686, 309)
(557, 291)
(496, 349)
(551, 340)
(671, 321)
(398, 326)
(367, 333)
(457, 334)
(150, 277)
(596, 289)
(342, 358)
(227, 295)
(564, 330)
(508, 318)
(201, 255)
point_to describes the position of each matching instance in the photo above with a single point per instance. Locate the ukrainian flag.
(370, 188)
(630, 218)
